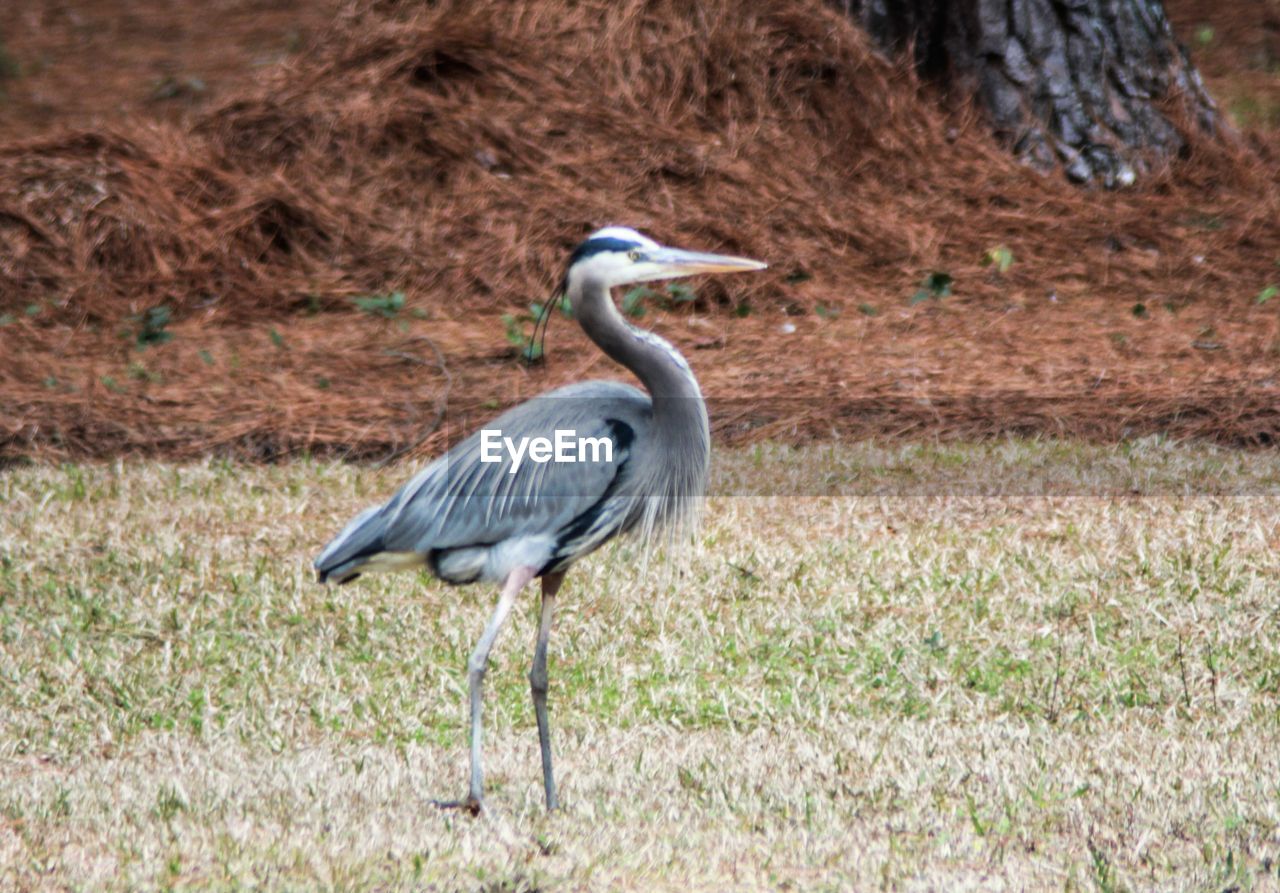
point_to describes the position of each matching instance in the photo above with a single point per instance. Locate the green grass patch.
(830, 692)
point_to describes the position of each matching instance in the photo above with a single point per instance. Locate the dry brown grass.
(951, 692)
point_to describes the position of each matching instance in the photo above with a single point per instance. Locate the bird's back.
(488, 505)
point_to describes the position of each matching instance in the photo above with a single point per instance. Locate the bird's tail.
(352, 549)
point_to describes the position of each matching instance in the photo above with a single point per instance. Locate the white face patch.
(608, 267)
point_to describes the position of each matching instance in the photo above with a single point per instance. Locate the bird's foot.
(471, 805)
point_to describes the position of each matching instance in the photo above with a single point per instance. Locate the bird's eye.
(634, 254)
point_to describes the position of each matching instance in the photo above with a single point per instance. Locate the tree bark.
(1098, 86)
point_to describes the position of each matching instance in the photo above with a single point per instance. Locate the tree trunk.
(1100, 86)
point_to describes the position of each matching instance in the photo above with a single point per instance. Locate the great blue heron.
(489, 510)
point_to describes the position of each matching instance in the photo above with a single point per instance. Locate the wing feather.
(461, 501)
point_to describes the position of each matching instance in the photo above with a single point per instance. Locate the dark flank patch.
(623, 435)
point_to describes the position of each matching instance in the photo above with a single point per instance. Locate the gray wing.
(463, 500)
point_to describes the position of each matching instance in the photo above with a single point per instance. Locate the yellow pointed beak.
(677, 262)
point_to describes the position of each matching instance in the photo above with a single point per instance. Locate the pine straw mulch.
(457, 153)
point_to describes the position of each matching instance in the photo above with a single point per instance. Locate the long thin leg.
(538, 683)
(476, 667)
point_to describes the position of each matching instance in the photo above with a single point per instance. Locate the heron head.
(617, 255)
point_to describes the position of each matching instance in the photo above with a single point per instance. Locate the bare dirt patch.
(454, 155)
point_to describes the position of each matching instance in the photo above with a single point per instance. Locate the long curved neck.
(657, 364)
(672, 473)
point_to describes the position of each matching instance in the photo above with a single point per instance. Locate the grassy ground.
(839, 692)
